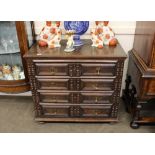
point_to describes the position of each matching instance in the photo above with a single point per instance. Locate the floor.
(17, 116)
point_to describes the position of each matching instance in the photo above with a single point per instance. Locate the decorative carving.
(34, 87)
(75, 111)
(74, 84)
(74, 70)
(75, 98)
(117, 88)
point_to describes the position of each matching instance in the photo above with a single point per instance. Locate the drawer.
(76, 84)
(97, 98)
(52, 69)
(99, 69)
(77, 111)
(75, 69)
(97, 84)
(56, 111)
(52, 84)
(96, 111)
(75, 98)
(54, 98)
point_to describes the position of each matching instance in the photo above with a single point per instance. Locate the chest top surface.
(83, 52)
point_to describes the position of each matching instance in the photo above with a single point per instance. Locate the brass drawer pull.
(54, 99)
(54, 112)
(52, 83)
(98, 69)
(96, 99)
(96, 86)
(52, 71)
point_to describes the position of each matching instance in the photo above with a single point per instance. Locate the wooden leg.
(135, 108)
(126, 96)
(132, 103)
(127, 84)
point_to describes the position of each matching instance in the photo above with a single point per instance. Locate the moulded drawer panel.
(100, 69)
(82, 98)
(52, 84)
(77, 111)
(97, 84)
(97, 98)
(52, 69)
(54, 98)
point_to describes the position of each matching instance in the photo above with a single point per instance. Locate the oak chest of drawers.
(82, 86)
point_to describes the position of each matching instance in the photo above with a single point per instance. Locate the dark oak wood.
(140, 82)
(18, 86)
(82, 86)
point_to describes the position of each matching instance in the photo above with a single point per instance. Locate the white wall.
(124, 33)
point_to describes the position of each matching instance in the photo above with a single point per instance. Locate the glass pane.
(29, 33)
(10, 59)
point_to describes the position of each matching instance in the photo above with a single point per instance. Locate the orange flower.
(45, 36)
(107, 36)
(42, 43)
(106, 23)
(100, 46)
(113, 42)
(57, 23)
(99, 38)
(51, 46)
(96, 33)
(48, 23)
(52, 30)
(100, 30)
(97, 41)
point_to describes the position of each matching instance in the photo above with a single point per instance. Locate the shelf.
(14, 86)
(11, 82)
(28, 93)
(13, 52)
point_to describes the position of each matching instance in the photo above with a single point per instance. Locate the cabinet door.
(13, 44)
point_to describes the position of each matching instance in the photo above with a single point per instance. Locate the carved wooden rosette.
(75, 111)
(75, 98)
(74, 70)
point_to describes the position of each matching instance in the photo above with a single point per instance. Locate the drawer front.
(97, 84)
(98, 111)
(100, 69)
(76, 98)
(54, 98)
(76, 84)
(76, 69)
(53, 84)
(52, 69)
(55, 111)
(77, 111)
(97, 98)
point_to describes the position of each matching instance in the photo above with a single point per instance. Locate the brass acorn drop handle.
(54, 99)
(52, 71)
(98, 69)
(96, 112)
(96, 86)
(52, 83)
(55, 112)
(96, 99)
